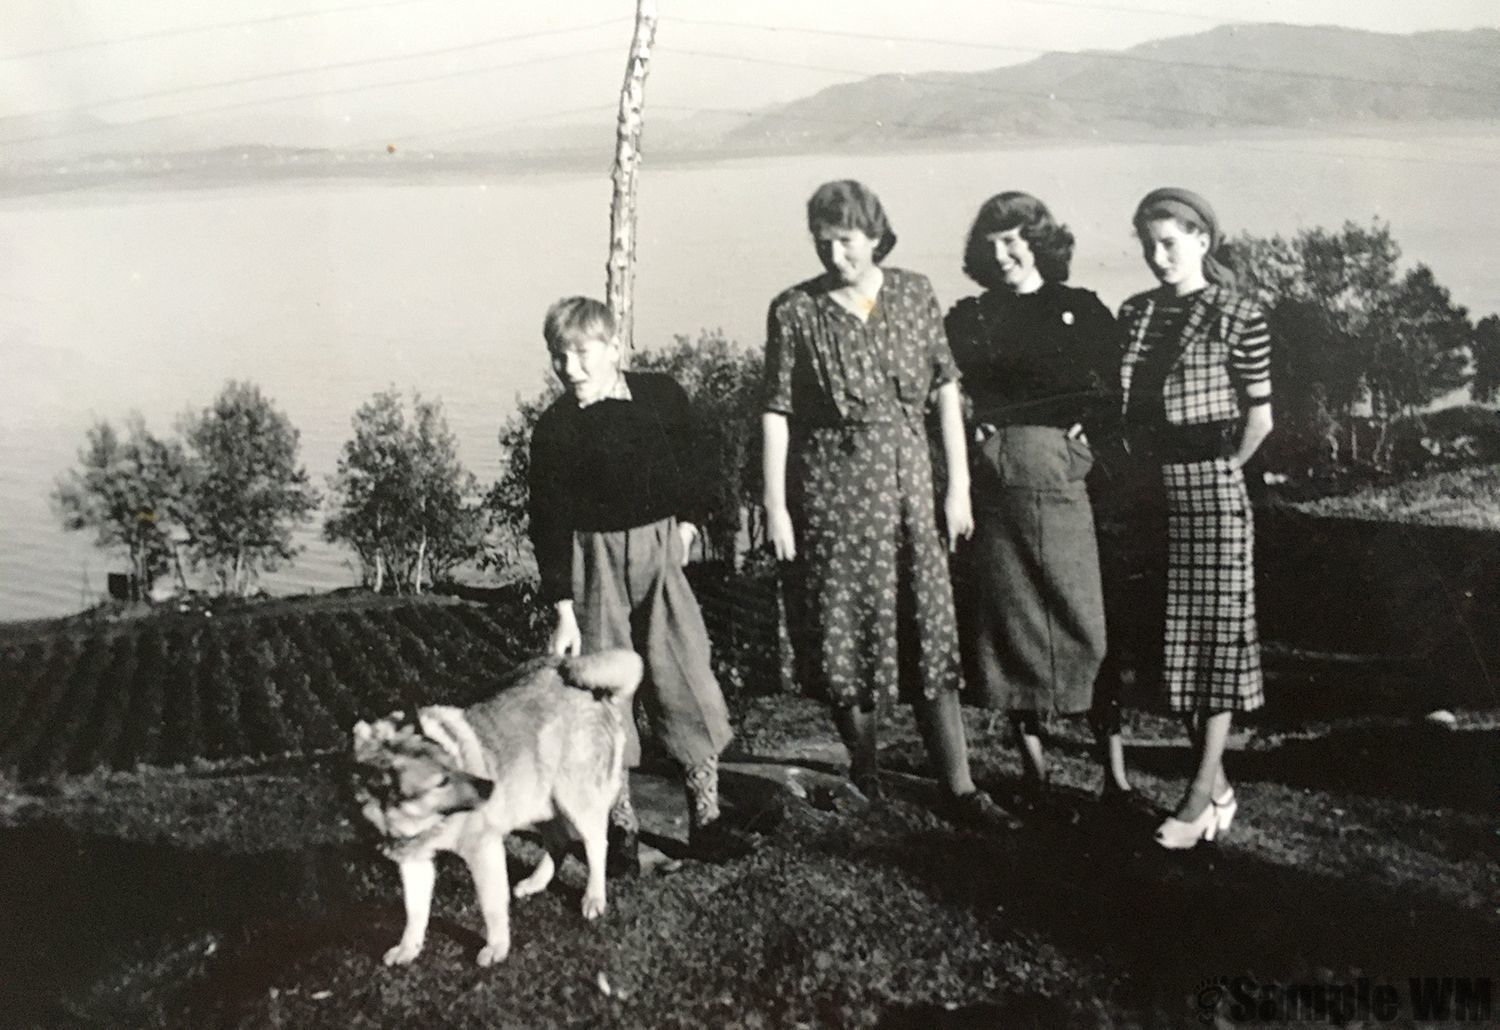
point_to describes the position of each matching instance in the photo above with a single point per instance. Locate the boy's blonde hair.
(573, 320)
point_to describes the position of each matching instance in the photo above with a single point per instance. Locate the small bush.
(1451, 438)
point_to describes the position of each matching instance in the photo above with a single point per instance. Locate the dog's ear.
(466, 792)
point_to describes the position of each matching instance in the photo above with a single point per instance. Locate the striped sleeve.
(1250, 353)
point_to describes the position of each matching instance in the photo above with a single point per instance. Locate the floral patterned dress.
(878, 602)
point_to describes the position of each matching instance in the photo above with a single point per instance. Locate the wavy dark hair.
(847, 204)
(1049, 240)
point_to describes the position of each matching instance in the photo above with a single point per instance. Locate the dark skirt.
(1033, 617)
(1211, 646)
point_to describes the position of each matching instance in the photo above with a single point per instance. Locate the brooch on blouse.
(1067, 318)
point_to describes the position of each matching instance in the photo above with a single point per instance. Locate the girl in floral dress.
(852, 357)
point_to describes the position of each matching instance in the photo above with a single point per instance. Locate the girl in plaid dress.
(1197, 387)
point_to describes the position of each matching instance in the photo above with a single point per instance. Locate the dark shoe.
(975, 810)
(622, 855)
(764, 818)
(718, 842)
(868, 784)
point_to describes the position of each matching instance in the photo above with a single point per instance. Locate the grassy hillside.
(226, 893)
(232, 682)
(202, 898)
(1467, 497)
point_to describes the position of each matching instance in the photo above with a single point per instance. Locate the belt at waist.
(913, 419)
(984, 430)
(1172, 444)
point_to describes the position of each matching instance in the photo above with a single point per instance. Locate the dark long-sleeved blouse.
(615, 464)
(1047, 358)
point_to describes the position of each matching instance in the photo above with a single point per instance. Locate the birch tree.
(245, 489)
(620, 268)
(401, 498)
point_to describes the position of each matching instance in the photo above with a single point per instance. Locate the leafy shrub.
(127, 489)
(1350, 327)
(402, 500)
(245, 491)
(1447, 438)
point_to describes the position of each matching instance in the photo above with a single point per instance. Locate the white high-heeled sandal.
(1178, 835)
(1224, 809)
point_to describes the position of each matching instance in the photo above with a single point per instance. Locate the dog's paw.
(538, 880)
(402, 953)
(493, 953)
(593, 906)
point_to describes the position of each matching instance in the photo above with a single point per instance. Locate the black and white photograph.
(750, 515)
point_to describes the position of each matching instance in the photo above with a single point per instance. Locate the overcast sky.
(344, 71)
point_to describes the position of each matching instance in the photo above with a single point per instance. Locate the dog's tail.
(609, 675)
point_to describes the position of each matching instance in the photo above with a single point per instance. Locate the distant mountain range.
(1232, 77)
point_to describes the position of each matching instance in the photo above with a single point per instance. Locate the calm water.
(324, 293)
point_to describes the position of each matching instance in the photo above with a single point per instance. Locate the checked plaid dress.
(1219, 345)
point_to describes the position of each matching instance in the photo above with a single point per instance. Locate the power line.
(1109, 55)
(214, 27)
(335, 66)
(313, 94)
(464, 131)
(918, 79)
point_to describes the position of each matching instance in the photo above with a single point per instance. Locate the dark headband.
(1186, 201)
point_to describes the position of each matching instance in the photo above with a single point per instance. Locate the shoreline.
(276, 165)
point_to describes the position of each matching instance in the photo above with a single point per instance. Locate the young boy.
(615, 487)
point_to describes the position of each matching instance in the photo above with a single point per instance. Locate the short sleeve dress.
(1185, 379)
(878, 602)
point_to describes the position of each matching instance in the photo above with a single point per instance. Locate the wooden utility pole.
(620, 269)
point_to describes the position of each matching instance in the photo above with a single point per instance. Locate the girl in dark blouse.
(1036, 356)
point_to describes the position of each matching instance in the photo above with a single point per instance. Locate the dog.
(547, 751)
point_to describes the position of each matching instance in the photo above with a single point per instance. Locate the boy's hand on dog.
(566, 640)
(779, 532)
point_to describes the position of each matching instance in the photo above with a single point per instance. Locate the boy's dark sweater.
(612, 465)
